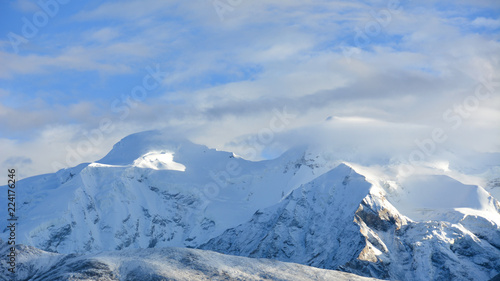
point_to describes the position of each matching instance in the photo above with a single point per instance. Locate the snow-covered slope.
(313, 225)
(153, 190)
(160, 264)
(150, 190)
(341, 221)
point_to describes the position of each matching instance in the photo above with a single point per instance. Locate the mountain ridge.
(159, 264)
(154, 191)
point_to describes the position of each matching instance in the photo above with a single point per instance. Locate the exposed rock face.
(340, 221)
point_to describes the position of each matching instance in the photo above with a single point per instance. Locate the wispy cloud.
(486, 22)
(223, 78)
(127, 10)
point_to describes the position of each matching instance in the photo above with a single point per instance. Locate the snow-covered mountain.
(179, 264)
(341, 221)
(150, 191)
(153, 190)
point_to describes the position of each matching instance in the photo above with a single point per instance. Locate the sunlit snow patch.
(159, 160)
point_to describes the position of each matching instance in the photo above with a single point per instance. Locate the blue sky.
(375, 67)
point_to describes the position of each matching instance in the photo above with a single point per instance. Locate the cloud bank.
(366, 78)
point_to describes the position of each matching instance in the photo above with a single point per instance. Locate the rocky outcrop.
(340, 221)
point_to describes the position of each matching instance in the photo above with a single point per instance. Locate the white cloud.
(486, 22)
(105, 34)
(226, 77)
(114, 58)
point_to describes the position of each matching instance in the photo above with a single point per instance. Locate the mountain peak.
(156, 189)
(133, 147)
